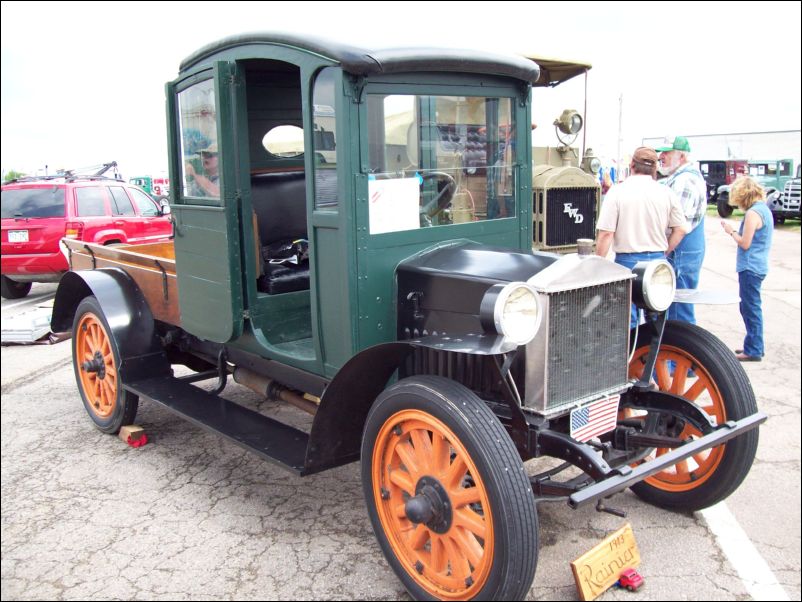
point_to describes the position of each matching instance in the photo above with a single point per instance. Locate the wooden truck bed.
(152, 267)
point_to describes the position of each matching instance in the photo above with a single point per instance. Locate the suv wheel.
(11, 289)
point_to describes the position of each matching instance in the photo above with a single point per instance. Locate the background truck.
(158, 188)
(772, 175)
(430, 343)
(566, 188)
(784, 204)
(719, 173)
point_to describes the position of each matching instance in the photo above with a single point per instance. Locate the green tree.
(12, 175)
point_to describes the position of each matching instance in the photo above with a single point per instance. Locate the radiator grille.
(570, 213)
(587, 342)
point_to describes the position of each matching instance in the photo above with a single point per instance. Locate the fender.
(336, 435)
(102, 237)
(127, 313)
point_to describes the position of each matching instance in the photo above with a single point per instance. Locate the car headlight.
(512, 310)
(655, 284)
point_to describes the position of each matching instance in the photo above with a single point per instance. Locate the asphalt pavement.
(192, 517)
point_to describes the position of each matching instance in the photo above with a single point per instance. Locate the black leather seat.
(279, 200)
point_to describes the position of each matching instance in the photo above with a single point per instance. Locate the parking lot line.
(757, 577)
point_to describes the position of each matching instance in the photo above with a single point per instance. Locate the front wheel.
(96, 361)
(723, 205)
(447, 494)
(697, 366)
(11, 289)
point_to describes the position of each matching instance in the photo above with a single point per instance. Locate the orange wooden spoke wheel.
(679, 373)
(97, 371)
(432, 505)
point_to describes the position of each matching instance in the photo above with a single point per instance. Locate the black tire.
(723, 206)
(702, 361)
(419, 415)
(11, 289)
(96, 362)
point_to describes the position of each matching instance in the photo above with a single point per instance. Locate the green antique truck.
(353, 235)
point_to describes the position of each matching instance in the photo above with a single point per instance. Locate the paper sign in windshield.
(393, 205)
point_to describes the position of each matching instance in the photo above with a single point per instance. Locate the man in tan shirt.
(640, 219)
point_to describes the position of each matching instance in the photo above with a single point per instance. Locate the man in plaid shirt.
(685, 179)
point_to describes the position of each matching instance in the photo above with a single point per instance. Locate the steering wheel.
(444, 196)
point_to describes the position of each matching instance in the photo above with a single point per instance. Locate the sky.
(83, 83)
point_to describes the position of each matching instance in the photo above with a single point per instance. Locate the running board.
(268, 438)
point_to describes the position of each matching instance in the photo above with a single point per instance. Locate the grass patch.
(790, 225)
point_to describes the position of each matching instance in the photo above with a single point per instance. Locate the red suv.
(38, 212)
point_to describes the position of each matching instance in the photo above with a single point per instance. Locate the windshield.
(33, 202)
(439, 160)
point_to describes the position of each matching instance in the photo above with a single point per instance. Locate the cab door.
(205, 207)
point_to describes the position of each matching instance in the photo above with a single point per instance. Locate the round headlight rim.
(502, 295)
(648, 273)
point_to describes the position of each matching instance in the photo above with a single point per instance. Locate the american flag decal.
(595, 418)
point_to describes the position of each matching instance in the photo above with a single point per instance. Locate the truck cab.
(719, 173)
(435, 159)
(353, 236)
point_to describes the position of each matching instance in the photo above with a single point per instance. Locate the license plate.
(594, 419)
(17, 236)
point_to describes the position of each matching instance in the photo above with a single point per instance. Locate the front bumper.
(625, 476)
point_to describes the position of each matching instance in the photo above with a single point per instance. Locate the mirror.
(284, 141)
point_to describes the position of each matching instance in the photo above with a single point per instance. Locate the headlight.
(512, 310)
(569, 122)
(655, 284)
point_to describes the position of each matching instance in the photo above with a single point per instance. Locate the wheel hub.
(430, 506)
(96, 364)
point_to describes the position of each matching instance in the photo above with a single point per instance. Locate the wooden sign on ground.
(599, 568)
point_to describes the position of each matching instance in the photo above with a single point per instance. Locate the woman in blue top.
(752, 264)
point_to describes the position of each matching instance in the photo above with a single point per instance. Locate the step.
(270, 439)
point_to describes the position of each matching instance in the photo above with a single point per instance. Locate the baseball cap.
(645, 156)
(677, 143)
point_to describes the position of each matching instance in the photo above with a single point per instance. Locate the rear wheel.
(697, 366)
(11, 289)
(96, 361)
(447, 494)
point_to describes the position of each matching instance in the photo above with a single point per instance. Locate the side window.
(147, 206)
(90, 201)
(120, 203)
(325, 121)
(198, 128)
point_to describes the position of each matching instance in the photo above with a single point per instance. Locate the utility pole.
(619, 167)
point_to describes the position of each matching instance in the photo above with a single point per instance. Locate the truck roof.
(360, 61)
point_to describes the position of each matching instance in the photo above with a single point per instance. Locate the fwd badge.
(578, 217)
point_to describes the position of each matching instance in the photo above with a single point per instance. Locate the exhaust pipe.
(269, 388)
